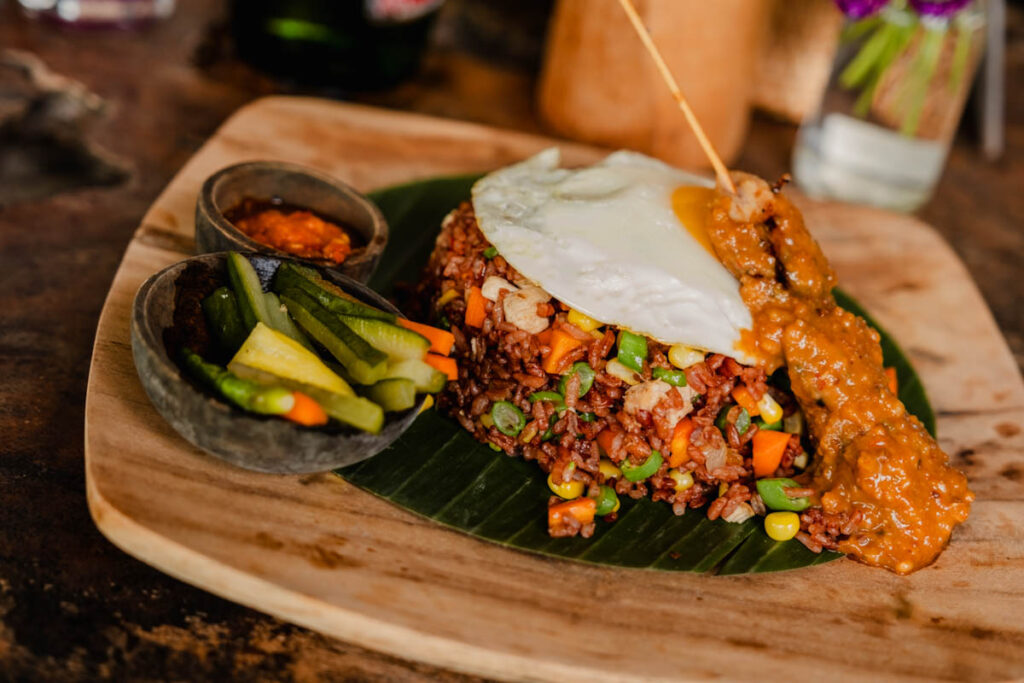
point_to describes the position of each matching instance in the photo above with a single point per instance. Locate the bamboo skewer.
(720, 169)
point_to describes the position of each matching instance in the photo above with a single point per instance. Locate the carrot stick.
(769, 446)
(561, 344)
(894, 384)
(306, 411)
(680, 442)
(743, 397)
(583, 509)
(476, 308)
(441, 341)
(444, 364)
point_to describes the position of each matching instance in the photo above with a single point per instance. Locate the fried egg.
(622, 241)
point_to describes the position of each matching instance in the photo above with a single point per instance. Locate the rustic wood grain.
(320, 553)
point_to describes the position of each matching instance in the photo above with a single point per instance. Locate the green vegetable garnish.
(245, 394)
(508, 419)
(490, 252)
(770, 426)
(606, 501)
(742, 420)
(588, 417)
(640, 472)
(225, 320)
(586, 373)
(548, 433)
(552, 396)
(676, 378)
(775, 498)
(632, 350)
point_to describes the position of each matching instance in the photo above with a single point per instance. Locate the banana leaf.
(435, 469)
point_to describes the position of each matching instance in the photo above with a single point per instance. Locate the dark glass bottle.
(346, 44)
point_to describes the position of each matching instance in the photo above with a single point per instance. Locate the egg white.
(605, 240)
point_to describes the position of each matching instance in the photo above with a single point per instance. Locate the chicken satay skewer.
(645, 37)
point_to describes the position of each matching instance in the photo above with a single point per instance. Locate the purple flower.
(858, 9)
(938, 8)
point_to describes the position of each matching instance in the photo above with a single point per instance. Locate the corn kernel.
(769, 408)
(722, 488)
(682, 480)
(428, 403)
(597, 334)
(683, 356)
(569, 490)
(582, 320)
(782, 526)
(609, 469)
(486, 420)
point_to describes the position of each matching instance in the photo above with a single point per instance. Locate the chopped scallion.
(586, 374)
(508, 419)
(676, 378)
(632, 350)
(640, 472)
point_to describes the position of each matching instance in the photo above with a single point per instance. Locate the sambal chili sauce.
(875, 464)
(292, 229)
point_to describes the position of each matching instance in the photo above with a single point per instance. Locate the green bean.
(640, 472)
(508, 419)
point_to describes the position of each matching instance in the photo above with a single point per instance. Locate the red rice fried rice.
(498, 361)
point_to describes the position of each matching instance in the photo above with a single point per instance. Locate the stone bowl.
(296, 185)
(244, 439)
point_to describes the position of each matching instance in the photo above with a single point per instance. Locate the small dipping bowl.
(263, 444)
(291, 184)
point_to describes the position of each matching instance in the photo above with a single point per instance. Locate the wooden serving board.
(318, 552)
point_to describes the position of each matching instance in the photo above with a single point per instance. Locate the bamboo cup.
(599, 85)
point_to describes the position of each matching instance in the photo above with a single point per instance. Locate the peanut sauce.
(875, 463)
(291, 229)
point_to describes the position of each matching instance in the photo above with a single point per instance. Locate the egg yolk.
(692, 206)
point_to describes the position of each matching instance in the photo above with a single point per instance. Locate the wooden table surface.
(74, 607)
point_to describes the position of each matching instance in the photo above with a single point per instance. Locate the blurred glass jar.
(346, 44)
(887, 119)
(100, 13)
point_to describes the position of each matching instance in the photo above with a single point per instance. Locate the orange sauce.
(692, 206)
(292, 230)
(874, 462)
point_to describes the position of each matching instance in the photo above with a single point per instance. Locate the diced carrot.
(604, 441)
(476, 308)
(583, 509)
(894, 385)
(444, 364)
(561, 344)
(743, 397)
(769, 445)
(545, 337)
(306, 411)
(441, 341)
(680, 442)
